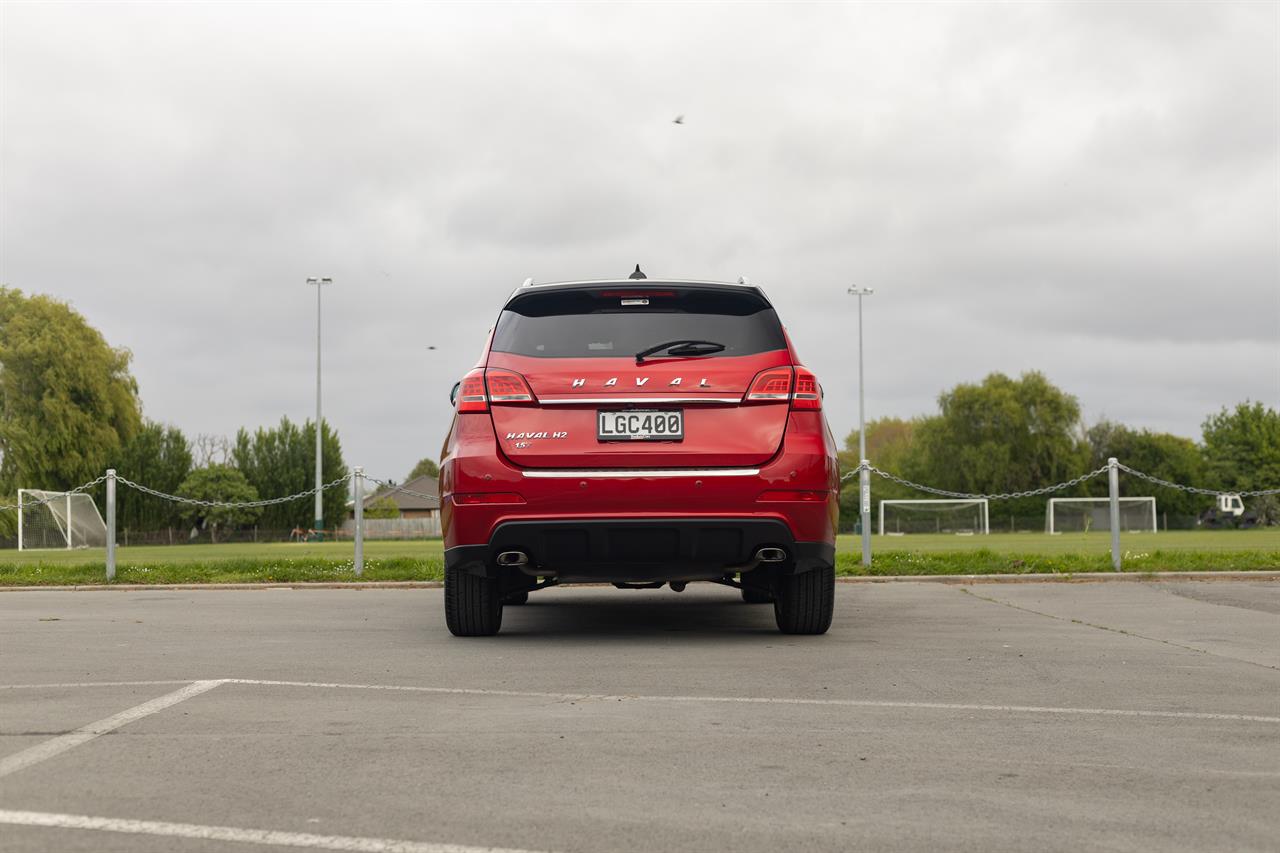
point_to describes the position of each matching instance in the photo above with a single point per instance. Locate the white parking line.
(583, 697)
(58, 745)
(245, 836)
(754, 700)
(77, 684)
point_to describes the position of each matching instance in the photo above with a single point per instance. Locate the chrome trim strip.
(568, 401)
(616, 473)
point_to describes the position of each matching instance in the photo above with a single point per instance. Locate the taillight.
(771, 384)
(471, 396)
(807, 394)
(781, 383)
(506, 386)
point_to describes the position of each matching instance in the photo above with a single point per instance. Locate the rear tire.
(806, 601)
(472, 604)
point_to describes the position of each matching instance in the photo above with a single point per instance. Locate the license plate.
(640, 425)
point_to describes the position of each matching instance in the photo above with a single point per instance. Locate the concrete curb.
(214, 587)
(1082, 577)
(1064, 577)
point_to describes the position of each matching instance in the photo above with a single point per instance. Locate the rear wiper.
(682, 347)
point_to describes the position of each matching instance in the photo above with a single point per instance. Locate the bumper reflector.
(488, 498)
(792, 496)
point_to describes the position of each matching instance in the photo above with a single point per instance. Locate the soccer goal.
(1081, 515)
(934, 515)
(64, 520)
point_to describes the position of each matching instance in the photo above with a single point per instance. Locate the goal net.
(1082, 515)
(63, 520)
(934, 516)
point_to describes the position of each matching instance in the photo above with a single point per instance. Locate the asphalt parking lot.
(1124, 716)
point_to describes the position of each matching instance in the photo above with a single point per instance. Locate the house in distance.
(409, 510)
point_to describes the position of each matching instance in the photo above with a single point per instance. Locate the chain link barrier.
(1196, 490)
(392, 488)
(56, 496)
(387, 484)
(147, 490)
(1029, 493)
(228, 504)
(1057, 487)
(1002, 496)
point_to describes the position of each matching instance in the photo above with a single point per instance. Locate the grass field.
(920, 554)
(1265, 539)
(154, 555)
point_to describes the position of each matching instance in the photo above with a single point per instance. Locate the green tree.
(890, 444)
(1242, 448)
(383, 507)
(1169, 457)
(158, 456)
(8, 518)
(424, 466)
(67, 401)
(280, 461)
(1267, 508)
(218, 483)
(1002, 435)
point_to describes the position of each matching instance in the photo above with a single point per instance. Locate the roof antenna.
(637, 274)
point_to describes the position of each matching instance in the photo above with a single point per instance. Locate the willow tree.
(1001, 435)
(68, 403)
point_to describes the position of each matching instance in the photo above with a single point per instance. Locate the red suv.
(641, 433)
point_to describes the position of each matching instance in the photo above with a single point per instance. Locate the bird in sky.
(678, 119)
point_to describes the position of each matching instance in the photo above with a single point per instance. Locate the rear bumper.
(650, 549)
(699, 522)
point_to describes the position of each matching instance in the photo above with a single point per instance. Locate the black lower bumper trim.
(813, 555)
(469, 558)
(635, 550)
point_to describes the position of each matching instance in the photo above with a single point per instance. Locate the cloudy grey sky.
(1088, 189)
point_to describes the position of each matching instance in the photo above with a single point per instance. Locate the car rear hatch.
(566, 389)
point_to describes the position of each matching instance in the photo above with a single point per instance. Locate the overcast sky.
(1087, 189)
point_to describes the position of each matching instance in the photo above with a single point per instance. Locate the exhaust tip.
(771, 555)
(513, 558)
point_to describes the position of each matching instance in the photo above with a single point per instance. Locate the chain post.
(111, 524)
(357, 477)
(864, 500)
(1113, 480)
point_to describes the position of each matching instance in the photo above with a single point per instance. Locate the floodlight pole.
(864, 475)
(319, 517)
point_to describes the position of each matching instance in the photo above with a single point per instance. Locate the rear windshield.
(585, 324)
